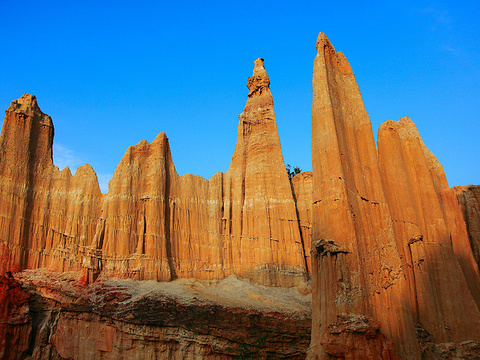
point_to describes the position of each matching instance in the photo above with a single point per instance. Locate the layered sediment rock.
(388, 238)
(469, 199)
(127, 319)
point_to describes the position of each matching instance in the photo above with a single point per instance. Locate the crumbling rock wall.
(56, 317)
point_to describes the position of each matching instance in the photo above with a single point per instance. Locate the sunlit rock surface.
(389, 242)
(152, 224)
(177, 267)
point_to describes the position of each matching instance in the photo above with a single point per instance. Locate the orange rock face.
(378, 230)
(46, 216)
(259, 215)
(356, 266)
(302, 189)
(388, 239)
(430, 234)
(469, 199)
(162, 226)
(152, 224)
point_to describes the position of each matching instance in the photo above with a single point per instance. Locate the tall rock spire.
(260, 215)
(356, 267)
(160, 225)
(27, 135)
(390, 245)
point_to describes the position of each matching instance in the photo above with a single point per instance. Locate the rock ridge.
(391, 250)
(152, 223)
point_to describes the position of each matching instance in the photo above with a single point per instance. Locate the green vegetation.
(292, 172)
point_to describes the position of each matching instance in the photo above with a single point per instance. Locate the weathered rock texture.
(15, 320)
(302, 189)
(47, 217)
(127, 319)
(389, 244)
(152, 224)
(357, 266)
(394, 274)
(469, 199)
(431, 236)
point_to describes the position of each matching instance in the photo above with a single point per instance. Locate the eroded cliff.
(152, 224)
(56, 317)
(391, 261)
(169, 266)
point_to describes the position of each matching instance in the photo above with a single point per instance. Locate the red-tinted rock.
(15, 321)
(183, 319)
(354, 337)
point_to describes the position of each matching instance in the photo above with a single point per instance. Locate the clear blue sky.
(111, 73)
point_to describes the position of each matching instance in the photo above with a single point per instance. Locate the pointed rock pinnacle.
(259, 81)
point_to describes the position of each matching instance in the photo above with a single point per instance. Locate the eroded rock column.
(260, 219)
(430, 235)
(356, 268)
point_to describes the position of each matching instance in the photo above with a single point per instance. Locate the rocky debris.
(449, 350)
(328, 247)
(182, 319)
(469, 199)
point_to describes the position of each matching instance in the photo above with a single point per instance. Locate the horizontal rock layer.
(137, 320)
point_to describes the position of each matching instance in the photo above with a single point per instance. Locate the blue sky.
(111, 73)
